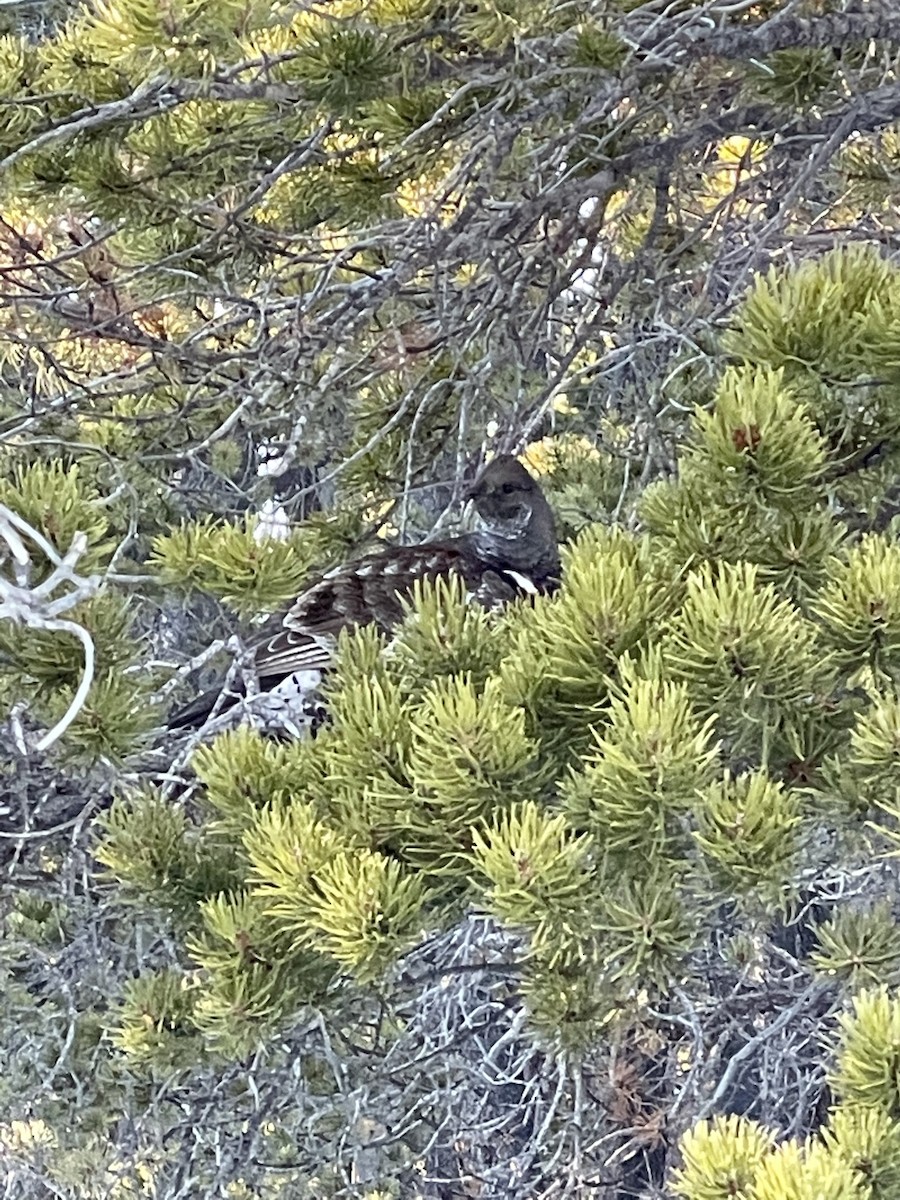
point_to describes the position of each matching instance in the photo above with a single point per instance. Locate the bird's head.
(516, 530)
(504, 493)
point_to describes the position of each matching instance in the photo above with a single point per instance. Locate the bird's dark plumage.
(512, 552)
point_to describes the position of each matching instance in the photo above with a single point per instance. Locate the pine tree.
(569, 899)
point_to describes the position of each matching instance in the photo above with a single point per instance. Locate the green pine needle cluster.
(859, 947)
(721, 1158)
(565, 650)
(154, 1027)
(248, 572)
(831, 325)
(734, 1157)
(242, 773)
(759, 442)
(867, 772)
(795, 77)
(748, 831)
(59, 502)
(867, 1071)
(641, 778)
(868, 1141)
(859, 608)
(250, 972)
(538, 873)
(161, 857)
(355, 906)
(747, 654)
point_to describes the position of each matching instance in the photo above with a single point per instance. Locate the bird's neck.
(526, 543)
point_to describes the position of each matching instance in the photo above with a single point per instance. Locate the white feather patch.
(293, 706)
(522, 582)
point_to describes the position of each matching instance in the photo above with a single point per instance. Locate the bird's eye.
(508, 488)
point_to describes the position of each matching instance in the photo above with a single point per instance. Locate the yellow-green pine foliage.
(857, 1152)
(807, 1172)
(582, 480)
(733, 1158)
(859, 608)
(758, 445)
(867, 1071)
(861, 947)
(445, 635)
(59, 502)
(117, 717)
(255, 125)
(750, 484)
(721, 1158)
(866, 773)
(747, 656)
(242, 771)
(868, 1141)
(538, 876)
(569, 1004)
(287, 845)
(158, 169)
(830, 324)
(747, 829)
(470, 756)
(794, 77)
(43, 661)
(363, 910)
(250, 573)
(252, 975)
(871, 161)
(365, 750)
(161, 857)
(648, 928)
(637, 784)
(566, 648)
(812, 401)
(154, 1024)
(45, 664)
(355, 905)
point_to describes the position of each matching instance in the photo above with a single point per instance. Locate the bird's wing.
(287, 651)
(371, 590)
(367, 591)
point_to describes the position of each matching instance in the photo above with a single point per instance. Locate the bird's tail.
(198, 712)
